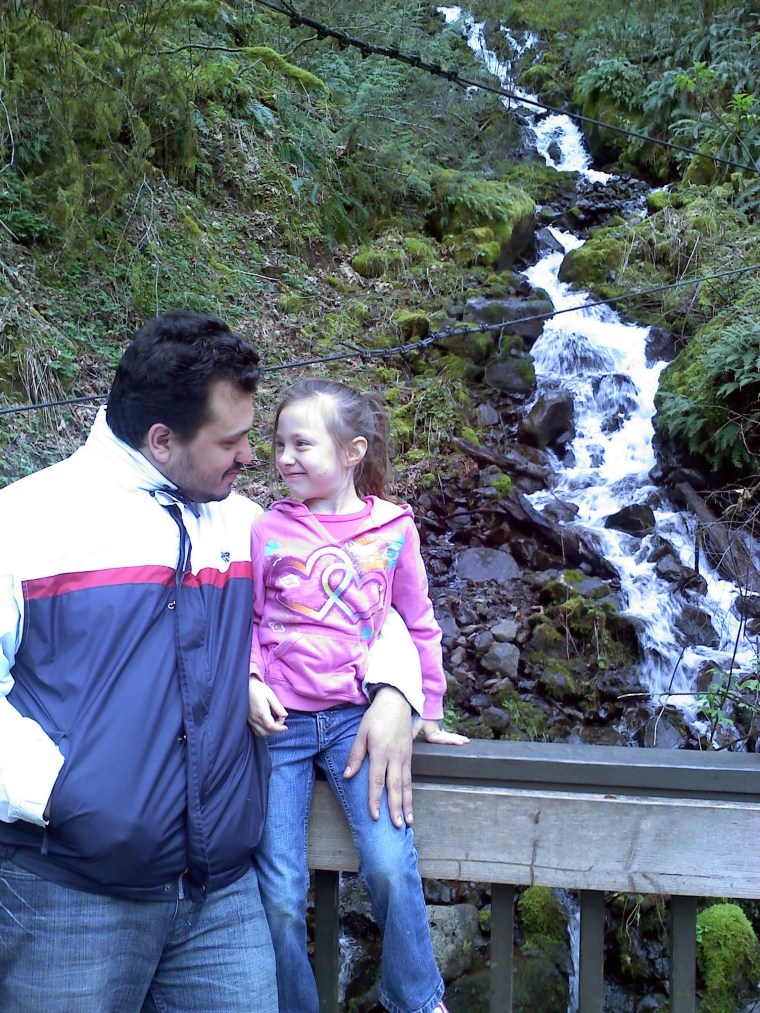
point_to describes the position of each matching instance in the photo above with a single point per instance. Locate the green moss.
(291, 302)
(503, 485)
(573, 576)
(470, 435)
(658, 199)
(541, 914)
(412, 323)
(727, 956)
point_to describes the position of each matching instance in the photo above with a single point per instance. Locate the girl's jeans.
(410, 981)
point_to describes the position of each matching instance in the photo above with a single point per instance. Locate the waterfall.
(602, 362)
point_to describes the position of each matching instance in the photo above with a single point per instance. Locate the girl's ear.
(355, 451)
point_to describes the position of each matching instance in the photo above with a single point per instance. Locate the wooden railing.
(591, 819)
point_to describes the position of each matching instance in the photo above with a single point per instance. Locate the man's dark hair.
(167, 370)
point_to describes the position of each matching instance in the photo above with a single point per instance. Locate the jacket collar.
(130, 468)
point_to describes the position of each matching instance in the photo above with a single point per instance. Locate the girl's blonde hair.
(349, 413)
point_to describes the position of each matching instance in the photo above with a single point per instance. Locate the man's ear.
(356, 450)
(159, 443)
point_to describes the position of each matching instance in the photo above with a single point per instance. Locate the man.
(132, 792)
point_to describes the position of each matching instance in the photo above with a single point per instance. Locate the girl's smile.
(311, 463)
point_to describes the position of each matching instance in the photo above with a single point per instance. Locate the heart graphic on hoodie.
(328, 579)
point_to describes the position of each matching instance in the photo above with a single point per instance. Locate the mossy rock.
(541, 914)
(466, 201)
(596, 264)
(728, 957)
(511, 374)
(471, 249)
(475, 346)
(412, 323)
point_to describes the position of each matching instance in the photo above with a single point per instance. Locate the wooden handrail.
(579, 817)
(590, 819)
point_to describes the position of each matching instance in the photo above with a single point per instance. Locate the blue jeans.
(410, 982)
(67, 951)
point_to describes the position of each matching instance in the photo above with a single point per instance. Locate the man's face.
(206, 466)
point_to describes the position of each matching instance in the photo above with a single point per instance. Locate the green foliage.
(727, 955)
(731, 701)
(709, 397)
(617, 79)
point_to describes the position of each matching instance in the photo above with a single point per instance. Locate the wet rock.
(616, 397)
(505, 631)
(514, 374)
(708, 677)
(496, 719)
(696, 626)
(520, 316)
(502, 660)
(547, 242)
(660, 345)
(453, 929)
(487, 415)
(681, 577)
(559, 511)
(614, 683)
(597, 736)
(550, 421)
(747, 606)
(664, 732)
(479, 564)
(635, 519)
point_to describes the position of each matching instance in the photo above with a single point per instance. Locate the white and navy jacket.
(125, 625)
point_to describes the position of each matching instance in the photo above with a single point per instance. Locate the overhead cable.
(365, 354)
(414, 59)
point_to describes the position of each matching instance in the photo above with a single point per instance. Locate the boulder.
(453, 928)
(481, 564)
(549, 421)
(635, 519)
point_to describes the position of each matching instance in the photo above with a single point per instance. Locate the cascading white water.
(554, 134)
(601, 361)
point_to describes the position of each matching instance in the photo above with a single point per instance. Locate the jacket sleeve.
(257, 565)
(29, 759)
(411, 599)
(394, 660)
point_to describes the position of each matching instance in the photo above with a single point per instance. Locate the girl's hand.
(266, 714)
(431, 731)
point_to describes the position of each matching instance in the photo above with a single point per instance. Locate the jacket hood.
(382, 510)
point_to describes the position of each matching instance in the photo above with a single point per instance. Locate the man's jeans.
(64, 951)
(410, 981)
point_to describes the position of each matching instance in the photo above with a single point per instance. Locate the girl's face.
(307, 457)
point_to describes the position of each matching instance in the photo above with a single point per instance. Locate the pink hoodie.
(318, 605)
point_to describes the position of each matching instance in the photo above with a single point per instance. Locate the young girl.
(328, 564)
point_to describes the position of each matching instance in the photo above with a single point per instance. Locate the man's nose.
(244, 454)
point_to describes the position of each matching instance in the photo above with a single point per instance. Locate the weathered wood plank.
(576, 840)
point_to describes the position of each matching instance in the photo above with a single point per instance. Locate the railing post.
(591, 972)
(502, 947)
(326, 938)
(683, 954)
